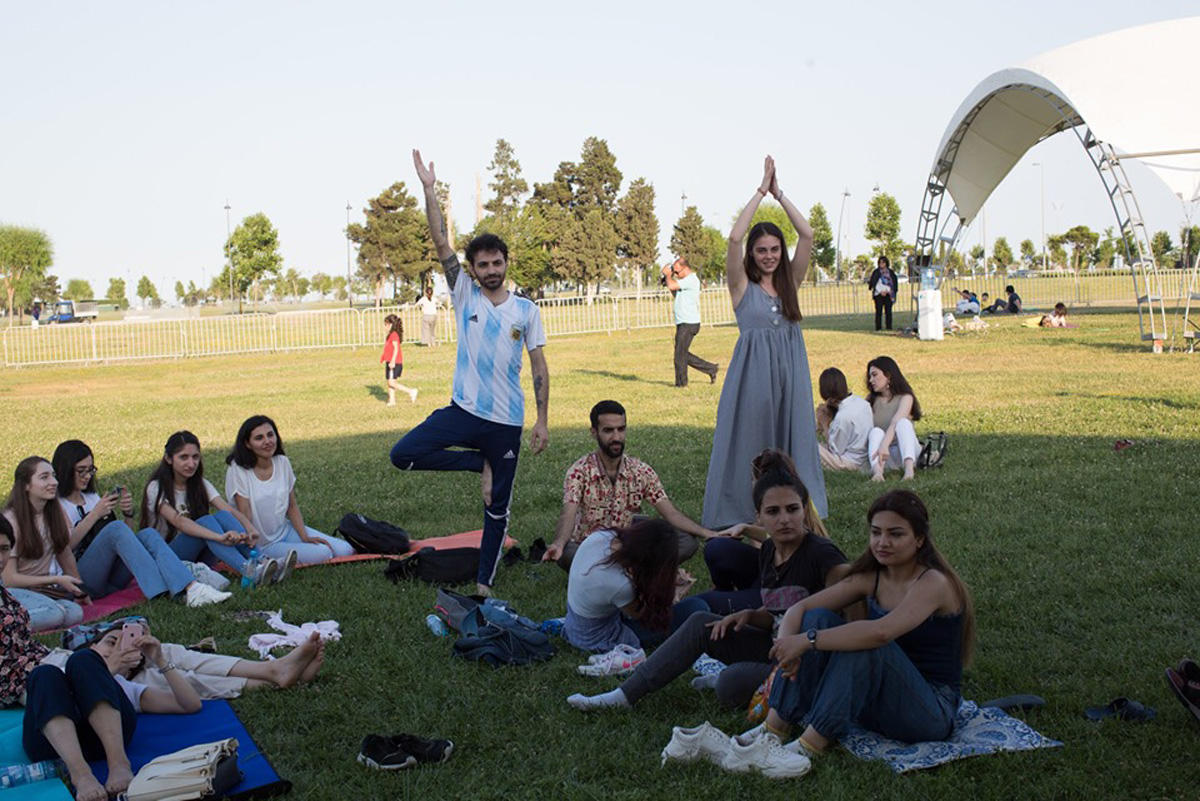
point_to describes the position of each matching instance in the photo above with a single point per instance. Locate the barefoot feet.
(287, 671)
(314, 664)
(119, 776)
(87, 788)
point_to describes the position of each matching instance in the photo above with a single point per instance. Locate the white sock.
(613, 698)
(707, 682)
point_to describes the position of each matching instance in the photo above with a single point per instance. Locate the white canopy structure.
(1129, 94)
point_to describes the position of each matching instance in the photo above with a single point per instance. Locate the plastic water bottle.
(437, 626)
(250, 570)
(16, 775)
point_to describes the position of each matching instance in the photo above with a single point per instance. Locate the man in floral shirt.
(606, 489)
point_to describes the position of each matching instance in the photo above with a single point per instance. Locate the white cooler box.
(929, 314)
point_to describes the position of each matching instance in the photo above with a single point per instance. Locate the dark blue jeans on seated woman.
(878, 689)
(193, 549)
(72, 693)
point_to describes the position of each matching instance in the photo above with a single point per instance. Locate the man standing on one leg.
(685, 286)
(487, 407)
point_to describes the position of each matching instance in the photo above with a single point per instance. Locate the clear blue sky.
(128, 124)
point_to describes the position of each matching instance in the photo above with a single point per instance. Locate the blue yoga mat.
(161, 734)
(11, 753)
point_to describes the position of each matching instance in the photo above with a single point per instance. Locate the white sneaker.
(701, 742)
(206, 575)
(620, 661)
(200, 594)
(412, 395)
(286, 567)
(268, 569)
(765, 754)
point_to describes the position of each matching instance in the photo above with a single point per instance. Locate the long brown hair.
(782, 280)
(909, 506)
(28, 538)
(162, 484)
(774, 468)
(897, 383)
(397, 325)
(649, 553)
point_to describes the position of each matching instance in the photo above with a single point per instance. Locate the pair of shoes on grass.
(757, 750)
(401, 751)
(273, 571)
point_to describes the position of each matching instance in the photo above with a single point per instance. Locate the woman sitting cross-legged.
(621, 586)
(897, 673)
(88, 712)
(261, 483)
(177, 501)
(108, 552)
(793, 563)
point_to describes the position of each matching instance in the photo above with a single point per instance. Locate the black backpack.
(445, 566)
(933, 451)
(372, 536)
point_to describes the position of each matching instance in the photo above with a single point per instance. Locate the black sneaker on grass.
(424, 750)
(383, 753)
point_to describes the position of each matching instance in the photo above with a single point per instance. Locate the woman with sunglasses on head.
(177, 503)
(42, 573)
(261, 483)
(108, 552)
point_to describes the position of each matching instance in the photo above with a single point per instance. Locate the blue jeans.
(307, 553)
(46, 612)
(72, 693)
(117, 554)
(192, 548)
(427, 447)
(879, 689)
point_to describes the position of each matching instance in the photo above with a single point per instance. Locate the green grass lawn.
(1083, 561)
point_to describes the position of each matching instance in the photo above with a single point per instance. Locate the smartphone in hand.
(129, 633)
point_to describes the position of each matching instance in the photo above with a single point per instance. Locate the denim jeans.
(117, 554)
(46, 612)
(73, 693)
(307, 553)
(192, 548)
(732, 564)
(879, 689)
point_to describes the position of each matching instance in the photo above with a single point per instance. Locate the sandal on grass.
(1185, 688)
(1121, 709)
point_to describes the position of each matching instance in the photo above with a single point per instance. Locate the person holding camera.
(685, 288)
(107, 550)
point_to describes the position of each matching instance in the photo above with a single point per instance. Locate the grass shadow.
(375, 391)
(625, 377)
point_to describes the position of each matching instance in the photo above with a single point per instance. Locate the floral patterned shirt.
(19, 651)
(606, 503)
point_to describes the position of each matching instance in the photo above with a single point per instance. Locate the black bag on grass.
(446, 566)
(933, 451)
(372, 536)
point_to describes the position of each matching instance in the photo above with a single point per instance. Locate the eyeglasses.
(85, 471)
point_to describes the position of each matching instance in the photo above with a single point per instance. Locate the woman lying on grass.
(621, 586)
(262, 485)
(106, 549)
(899, 671)
(177, 502)
(794, 562)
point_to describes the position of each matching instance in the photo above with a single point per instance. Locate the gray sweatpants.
(746, 653)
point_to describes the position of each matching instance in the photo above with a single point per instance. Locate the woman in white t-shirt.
(845, 420)
(177, 504)
(622, 586)
(109, 553)
(260, 481)
(42, 573)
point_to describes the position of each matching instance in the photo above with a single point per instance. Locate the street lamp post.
(228, 254)
(837, 249)
(1042, 169)
(349, 297)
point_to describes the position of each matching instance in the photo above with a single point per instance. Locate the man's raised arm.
(437, 223)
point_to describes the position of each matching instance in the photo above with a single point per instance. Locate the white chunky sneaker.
(620, 661)
(200, 594)
(765, 754)
(700, 742)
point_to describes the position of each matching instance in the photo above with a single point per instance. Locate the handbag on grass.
(208, 770)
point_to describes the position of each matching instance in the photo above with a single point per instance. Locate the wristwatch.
(167, 668)
(812, 638)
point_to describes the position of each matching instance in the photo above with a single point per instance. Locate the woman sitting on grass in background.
(87, 711)
(794, 562)
(621, 587)
(897, 673)
(176, 503)
(106, 549)
(894, 406)
(845, 421)
(262, 486)
(393, 361)
(42, 573)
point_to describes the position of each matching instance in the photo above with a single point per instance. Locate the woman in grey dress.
(766, 401)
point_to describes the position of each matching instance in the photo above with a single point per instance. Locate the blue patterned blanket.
(976, 731)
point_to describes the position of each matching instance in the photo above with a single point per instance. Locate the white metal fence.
(344, 328)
